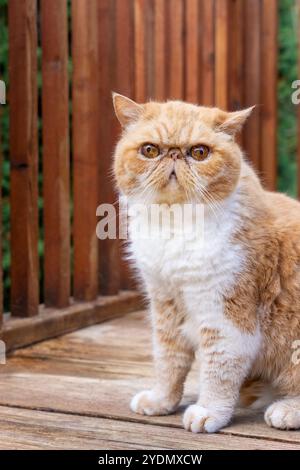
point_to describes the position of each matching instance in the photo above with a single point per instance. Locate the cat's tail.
(256, 394)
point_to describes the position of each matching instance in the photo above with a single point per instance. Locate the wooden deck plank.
(101, 367)
(107, 398)
(91, 343)
(27, 429)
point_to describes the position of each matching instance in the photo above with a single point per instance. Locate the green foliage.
(287, 73)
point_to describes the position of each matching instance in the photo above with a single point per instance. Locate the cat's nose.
(175, 153)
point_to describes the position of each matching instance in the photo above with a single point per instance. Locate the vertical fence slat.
(235, 65)
(192, 51)
(55, 106)
(124, 36)
(143, 18)
(140, 50)
(269, 93)
(207, 12)
(160, 49)
(175, 50)
(24, 157)
(221, 52)
(143, 49)
(236, 59)
(85, 147)
(252, 49)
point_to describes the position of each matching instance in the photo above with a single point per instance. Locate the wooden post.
(86, 151)
(269, 93)
(24, 157)
(56, 172)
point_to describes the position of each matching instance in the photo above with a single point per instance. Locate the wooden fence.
(213, 52)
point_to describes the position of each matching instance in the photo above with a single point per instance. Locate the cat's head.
(176, 152)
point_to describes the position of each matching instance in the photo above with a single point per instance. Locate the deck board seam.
(141, 421)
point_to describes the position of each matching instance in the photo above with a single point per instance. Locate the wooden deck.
(73, 392)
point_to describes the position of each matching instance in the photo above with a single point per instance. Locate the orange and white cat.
(234, 297)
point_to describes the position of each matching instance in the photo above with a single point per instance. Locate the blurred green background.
(287, 73)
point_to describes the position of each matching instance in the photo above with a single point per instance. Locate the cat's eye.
(199, 152)
(150, 150)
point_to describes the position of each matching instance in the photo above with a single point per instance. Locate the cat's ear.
(231, 123)
(127, 111)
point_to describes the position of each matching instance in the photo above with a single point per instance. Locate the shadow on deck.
(73, 392)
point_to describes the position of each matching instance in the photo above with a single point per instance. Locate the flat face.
(177, 152)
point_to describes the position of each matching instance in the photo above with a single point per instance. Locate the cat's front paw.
(199, 419)
(149, 402)
(282, 416)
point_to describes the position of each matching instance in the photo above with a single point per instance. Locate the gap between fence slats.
(56, 186)
(85, 147)
(23, 157)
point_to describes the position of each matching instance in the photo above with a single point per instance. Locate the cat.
(234, 297)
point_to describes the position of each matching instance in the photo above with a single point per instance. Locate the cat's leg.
(226, 358)
(172, 358)
(284, 413)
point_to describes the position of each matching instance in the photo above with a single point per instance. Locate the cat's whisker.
(213, 203)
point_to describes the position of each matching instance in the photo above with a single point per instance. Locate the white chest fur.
(195, 271)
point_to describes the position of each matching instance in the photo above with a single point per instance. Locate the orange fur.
(265, 294)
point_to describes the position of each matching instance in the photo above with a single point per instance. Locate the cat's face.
(176, 152)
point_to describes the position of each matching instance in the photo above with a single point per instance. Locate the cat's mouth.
(173, 175)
